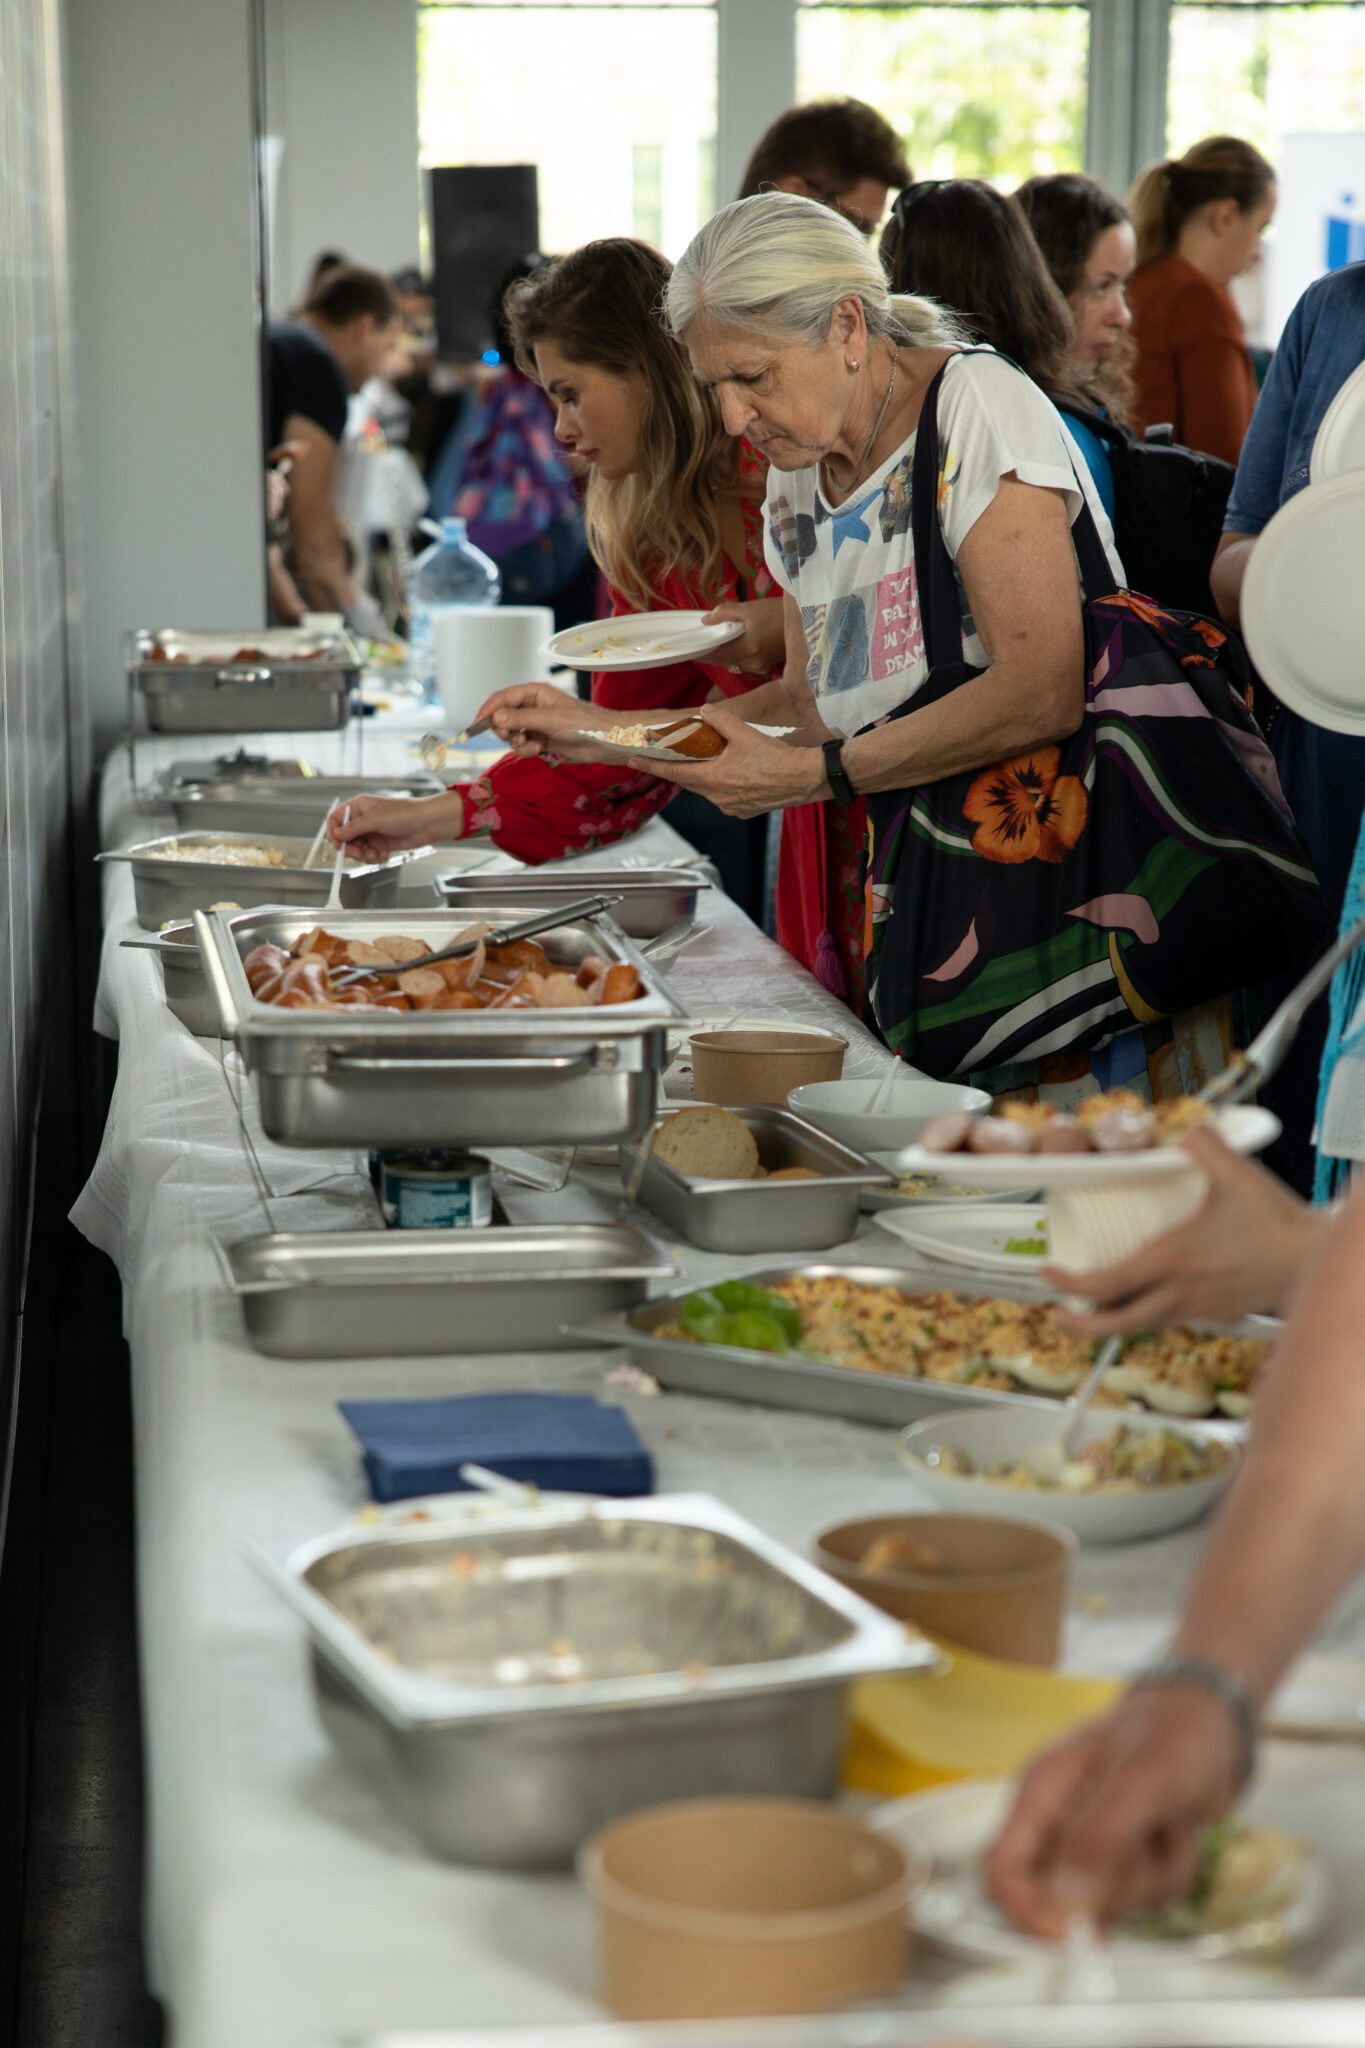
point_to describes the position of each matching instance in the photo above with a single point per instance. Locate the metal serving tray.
(758, 1215)
(188, 995)
(302, 681)
(271, 805)
(729, 1374)
(385, 1294)
(523, 1683)
(443, 1077)
(171, 890)
(652, 899)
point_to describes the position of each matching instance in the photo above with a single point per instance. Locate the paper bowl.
(714, 1908)
(999, 1437)
(763, 1065)
(1001, 1588)
(843, 1108)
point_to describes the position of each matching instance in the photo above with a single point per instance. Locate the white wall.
(166, 349)
(341, 92)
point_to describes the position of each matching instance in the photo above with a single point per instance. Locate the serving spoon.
(1047, 1459)
(499, 935)
(1267, 1049)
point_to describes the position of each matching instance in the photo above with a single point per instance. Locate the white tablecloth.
(286, 1907)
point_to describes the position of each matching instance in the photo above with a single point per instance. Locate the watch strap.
(836, 775)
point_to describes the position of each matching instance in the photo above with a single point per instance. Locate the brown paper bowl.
(715, 1908)
(1001, 1590)
(762, 1066)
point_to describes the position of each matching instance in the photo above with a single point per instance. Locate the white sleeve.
(994, 422)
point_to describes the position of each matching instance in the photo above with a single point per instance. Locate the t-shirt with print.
(851, 568)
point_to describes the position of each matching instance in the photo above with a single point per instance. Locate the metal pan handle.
(557, 1063)
(212, 961)
(227, 676)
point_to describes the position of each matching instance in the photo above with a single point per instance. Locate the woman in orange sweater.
(1199, 222)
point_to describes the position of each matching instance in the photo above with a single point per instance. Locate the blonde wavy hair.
(602, 306)
(778, 265)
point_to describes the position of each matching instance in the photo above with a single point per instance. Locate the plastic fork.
(1265, 1054)
(334, 893)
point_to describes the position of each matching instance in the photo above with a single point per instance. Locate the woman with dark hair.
(674, 510)
(1199, 222)
(1088, 245)
(959, 241)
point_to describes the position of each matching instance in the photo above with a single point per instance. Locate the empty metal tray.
(652, 899)
(761, 1215)
(526, 1682)
(271, 805)
(365, 1294)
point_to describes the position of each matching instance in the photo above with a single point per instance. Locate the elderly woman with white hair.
(786, 315)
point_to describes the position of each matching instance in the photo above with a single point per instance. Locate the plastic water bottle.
(451, 575)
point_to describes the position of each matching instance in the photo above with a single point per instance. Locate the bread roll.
(690, 736)
(707, 1143)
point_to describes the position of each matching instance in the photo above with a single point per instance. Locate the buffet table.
(287, 1907)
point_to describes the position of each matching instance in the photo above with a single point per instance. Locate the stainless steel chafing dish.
(774, 1380)
(652, 899)
(443, 1077)
(169, 884)
(380, 1294)
(274, 804)
(522, 1682)
(740, 1216)
(258, 679)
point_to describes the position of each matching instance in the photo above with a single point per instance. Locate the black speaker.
(484, 217)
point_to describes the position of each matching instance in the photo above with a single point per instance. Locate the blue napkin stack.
(565, 1443)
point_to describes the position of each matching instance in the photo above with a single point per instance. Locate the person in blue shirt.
(1322, 773)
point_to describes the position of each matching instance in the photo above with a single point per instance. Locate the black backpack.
(1169, 504)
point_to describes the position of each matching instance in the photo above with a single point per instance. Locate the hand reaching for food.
(380, 825)
(1112, 1820)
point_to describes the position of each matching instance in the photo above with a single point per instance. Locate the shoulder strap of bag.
(940, 616)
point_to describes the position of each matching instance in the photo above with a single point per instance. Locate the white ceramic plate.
(610, 752)
(974, 1237)
(640, 640)
(955, 1825)
(1339, 444)
(1245, 1127)
(1301, 604)
(1003, 1435)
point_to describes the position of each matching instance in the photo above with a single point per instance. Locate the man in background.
(841, 152)
(342, 337)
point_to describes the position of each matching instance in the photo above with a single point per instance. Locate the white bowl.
(844, 1109)
(1000, 1437)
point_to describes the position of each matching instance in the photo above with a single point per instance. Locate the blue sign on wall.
(1345, 236)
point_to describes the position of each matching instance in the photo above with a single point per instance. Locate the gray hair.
(779, 264)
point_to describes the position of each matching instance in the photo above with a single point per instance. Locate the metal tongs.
(1265, 1054)
(500, 935)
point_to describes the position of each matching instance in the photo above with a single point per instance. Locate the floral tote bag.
(1145, 865)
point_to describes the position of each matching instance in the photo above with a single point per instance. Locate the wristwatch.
(836, 775)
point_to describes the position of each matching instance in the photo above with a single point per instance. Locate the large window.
(615, 105)
(1265, 72)
(977, 91)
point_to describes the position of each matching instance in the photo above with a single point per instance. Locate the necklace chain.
(856, 478)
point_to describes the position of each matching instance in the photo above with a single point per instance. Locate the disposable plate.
(1300, 611)
(1339, 445)
(611, 752)
(974, 1237)
(955, 1826)
(641, 640)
